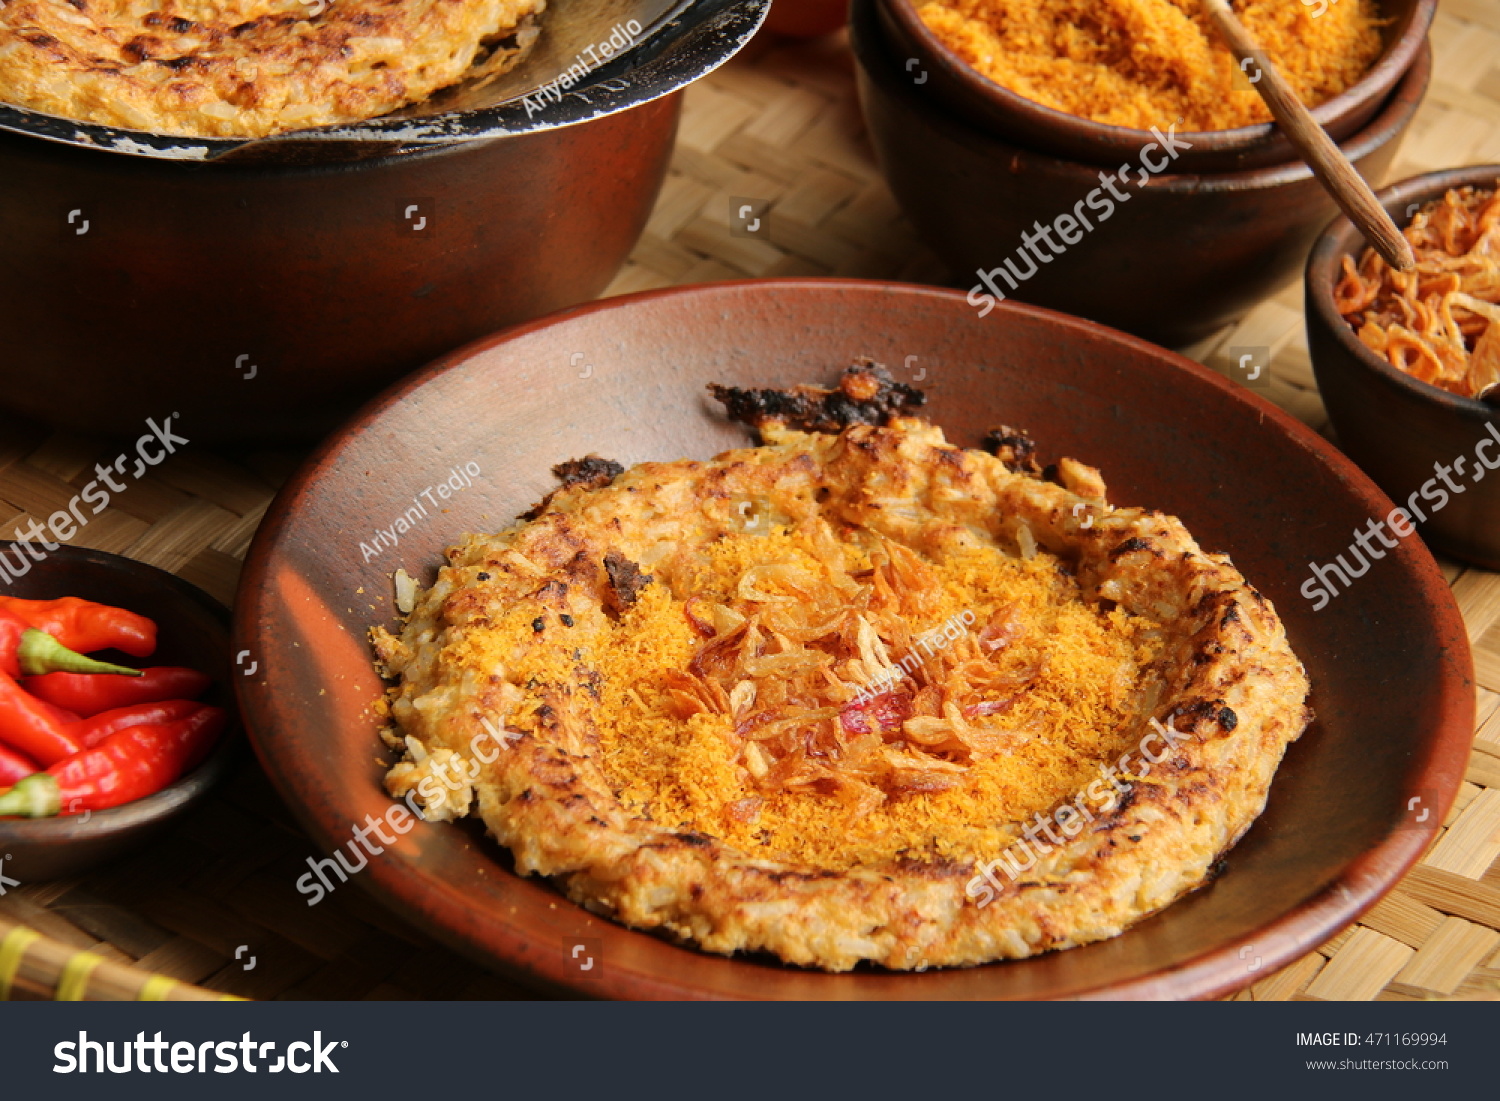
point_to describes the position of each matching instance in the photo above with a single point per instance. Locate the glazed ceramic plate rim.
(1340, 238)
(1213, 141)
(401, 882)
(183, 790)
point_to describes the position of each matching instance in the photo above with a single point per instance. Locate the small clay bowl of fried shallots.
(1409, 366)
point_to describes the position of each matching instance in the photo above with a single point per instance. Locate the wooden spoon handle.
(1322, 155)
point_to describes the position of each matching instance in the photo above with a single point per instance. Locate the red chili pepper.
(85, 626)
(24, 649)
(61, 715)
(26, 724)
(128, 765)
(90, 693)
(12, 627)
(90, 732)
(15, 765)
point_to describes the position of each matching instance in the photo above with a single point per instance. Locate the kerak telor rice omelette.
(853, 694)
(248, 68)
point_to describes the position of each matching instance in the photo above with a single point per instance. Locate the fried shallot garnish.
(831, 689)
(1440, 323)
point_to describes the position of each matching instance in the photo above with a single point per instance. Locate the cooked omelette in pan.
(249, 68)
(852, 694)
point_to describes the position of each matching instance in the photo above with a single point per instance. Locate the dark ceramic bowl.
(624, 378)
(1027, 123)
(1178, 258)
(1396, 428)
(193, 630)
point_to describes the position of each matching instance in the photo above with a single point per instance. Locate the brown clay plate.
(625, 378)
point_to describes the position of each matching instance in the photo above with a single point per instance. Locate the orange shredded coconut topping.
(834, 699)
(1144, 63)
(1441, 322)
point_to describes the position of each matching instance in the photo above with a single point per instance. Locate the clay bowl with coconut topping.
(1172, 256)
(953, 85)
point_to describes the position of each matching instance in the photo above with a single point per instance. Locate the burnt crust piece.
(1230, 687)
(1014, 448)
(625, 581)
(590, 471)
(866, 394)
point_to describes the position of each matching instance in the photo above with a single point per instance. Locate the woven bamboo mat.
(780, 125)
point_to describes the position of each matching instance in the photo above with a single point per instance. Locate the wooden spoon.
(1327, 161)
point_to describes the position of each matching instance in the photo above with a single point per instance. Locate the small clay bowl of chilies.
(191, 632)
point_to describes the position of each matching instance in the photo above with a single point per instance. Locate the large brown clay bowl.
(193, 630)
(268, 288)
(625, 379)
(268, 300)
(1396, 428)
(1178, 258)
(1027, 123)
(806, 18)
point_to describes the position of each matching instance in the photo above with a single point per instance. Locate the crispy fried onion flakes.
(1438, 323)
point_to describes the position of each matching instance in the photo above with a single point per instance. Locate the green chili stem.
(40, 653)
